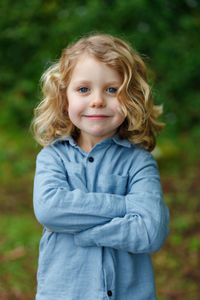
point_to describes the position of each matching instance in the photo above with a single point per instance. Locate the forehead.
(89, 67)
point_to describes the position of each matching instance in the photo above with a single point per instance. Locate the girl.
(97, 188)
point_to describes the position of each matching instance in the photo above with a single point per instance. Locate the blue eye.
(83, 90)
(112, 90)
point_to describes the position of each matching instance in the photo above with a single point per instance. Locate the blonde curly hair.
(140, 126)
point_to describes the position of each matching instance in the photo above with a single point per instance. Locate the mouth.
(98, 117)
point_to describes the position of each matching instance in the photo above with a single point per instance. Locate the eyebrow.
(113, 83)
(86, 82)
(78, 82)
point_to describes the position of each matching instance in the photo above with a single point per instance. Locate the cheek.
(119, 114)
(118, 110)
(75, 108)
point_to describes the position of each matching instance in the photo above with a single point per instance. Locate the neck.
(86, 142)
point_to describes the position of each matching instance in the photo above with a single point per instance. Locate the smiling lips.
(96, 117)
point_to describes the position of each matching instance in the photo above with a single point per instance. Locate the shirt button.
(91, 159)
(109, 293)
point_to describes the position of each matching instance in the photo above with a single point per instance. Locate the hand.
(47, 229)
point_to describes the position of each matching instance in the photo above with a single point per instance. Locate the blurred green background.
(166, 33)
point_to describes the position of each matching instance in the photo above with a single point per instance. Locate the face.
(92, 100)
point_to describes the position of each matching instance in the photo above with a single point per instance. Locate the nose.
(97, 100)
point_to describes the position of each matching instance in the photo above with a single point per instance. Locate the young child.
(97, 188)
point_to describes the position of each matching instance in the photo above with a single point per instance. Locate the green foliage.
(34, 32)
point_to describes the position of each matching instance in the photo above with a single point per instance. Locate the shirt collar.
(64, 139)
(122, 142)
(116, 139)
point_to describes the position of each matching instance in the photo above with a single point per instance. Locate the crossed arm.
(136, 222)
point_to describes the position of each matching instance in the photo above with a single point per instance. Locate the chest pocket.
(112, 184)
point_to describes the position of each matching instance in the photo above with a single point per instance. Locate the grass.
(19, 239)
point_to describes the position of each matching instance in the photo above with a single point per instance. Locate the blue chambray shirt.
(106, 213)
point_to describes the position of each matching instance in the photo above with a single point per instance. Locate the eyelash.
(84, 90)
(112, 88)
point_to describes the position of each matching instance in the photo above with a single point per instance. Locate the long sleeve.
(145, 225)
(66, 210)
